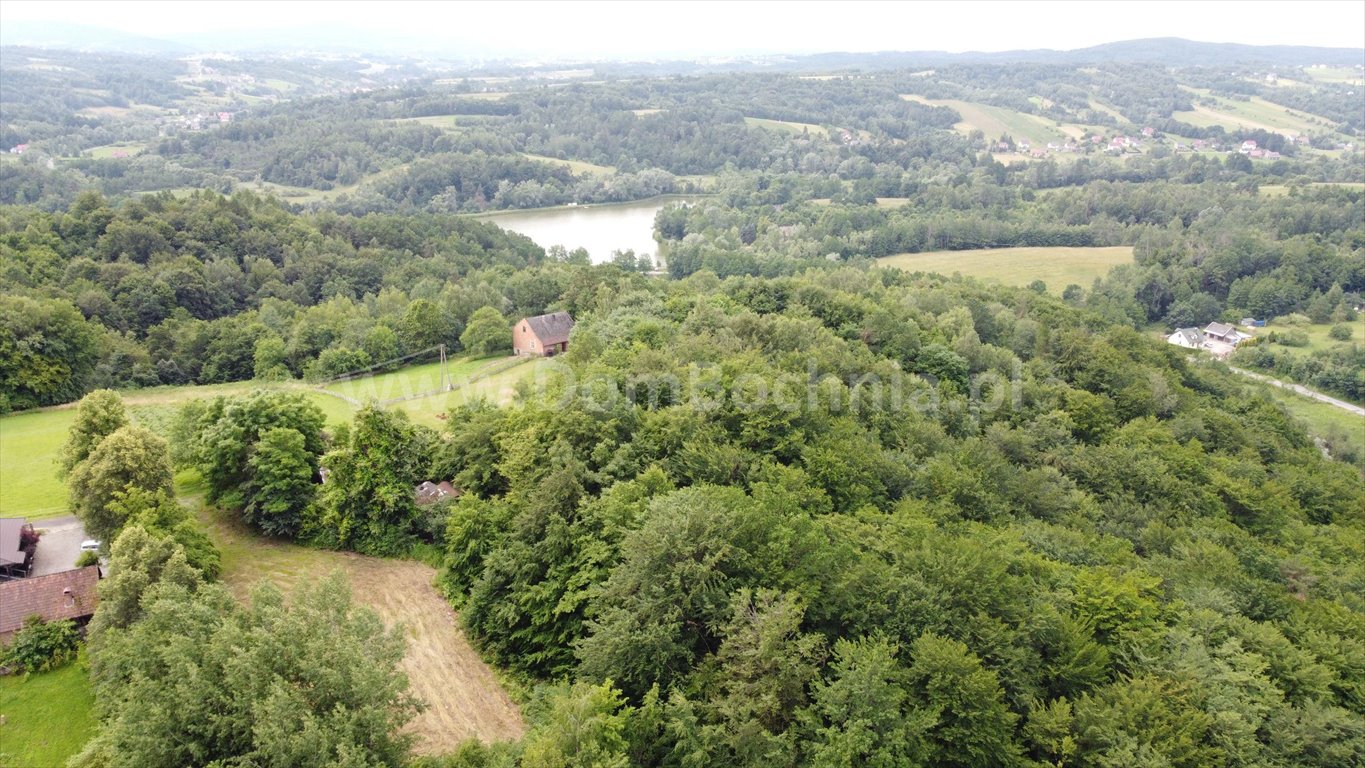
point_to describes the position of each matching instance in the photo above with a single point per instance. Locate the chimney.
(70, 598)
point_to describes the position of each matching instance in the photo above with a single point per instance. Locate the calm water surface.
(600, 229)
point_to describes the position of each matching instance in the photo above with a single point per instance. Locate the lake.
(600, 229)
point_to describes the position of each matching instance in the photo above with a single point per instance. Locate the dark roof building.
(66, 595)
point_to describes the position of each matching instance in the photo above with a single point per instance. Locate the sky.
(647, 29)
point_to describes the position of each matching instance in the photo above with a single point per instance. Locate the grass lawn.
(1058, 267)
(45, 718)
(1317, 336)
(29, 443)
(444, 122)
(786, 126)
(576, 166)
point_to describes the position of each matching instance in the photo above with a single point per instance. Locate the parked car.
(90, 545)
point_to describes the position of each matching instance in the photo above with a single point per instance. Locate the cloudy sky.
(648, 29)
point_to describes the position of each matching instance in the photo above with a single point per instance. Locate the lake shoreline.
(681, 196)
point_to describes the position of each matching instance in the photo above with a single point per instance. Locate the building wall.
(524, 342)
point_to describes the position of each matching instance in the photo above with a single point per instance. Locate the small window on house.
(533, 345)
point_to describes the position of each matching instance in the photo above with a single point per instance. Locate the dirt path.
(1302, 390)
(463, 696)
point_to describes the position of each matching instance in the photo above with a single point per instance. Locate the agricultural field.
(1255, 113)
(1323, 74)
(463, 695)
(444, 122)
(786, 126)
(412, 380)
(996, 121)
(1058, 267)
(30, 441)
(45, 718)
(1280, 190)
(576, 166)
(127, 149)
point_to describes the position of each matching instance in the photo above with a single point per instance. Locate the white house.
(1189, 338)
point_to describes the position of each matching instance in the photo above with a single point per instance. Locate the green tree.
(281, 484)
(861, 715)
(583, 727)
(270, 359)
(41, 646)
(130, 458)
(487, 331)
(158, 513)
(48, 352)
(426, 325)
(99, 415)
(972, 726)
(200, 680)
(367, 503)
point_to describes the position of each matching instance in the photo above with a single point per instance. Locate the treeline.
(167, 290)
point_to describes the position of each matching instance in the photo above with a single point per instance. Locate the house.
(430, 493)
(1225, 333)
(1247, 146)
(1189, 338)
(18, 149)
(18, 543)
(1149, 132)
(544, 335)
(56, 596)
(1252, 322)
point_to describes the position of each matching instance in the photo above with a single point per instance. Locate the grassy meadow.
(576, 166)
(1058, 267)
(45, 718)
(786, 126)
(31, 441)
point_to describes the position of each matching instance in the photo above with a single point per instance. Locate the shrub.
(40, 646)
(87, 558)
(1340, 332)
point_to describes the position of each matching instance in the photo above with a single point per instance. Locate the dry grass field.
(463, 695)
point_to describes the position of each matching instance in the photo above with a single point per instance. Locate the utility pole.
(445, 385)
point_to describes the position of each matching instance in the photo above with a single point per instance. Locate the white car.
(90, 545)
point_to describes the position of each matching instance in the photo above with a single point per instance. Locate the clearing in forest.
(1058, 267)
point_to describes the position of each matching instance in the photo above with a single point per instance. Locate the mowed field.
(1058, 267)
(463, 695)
(31, 441)
(576, 166)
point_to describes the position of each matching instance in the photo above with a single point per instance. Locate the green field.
(786, 126)
(576, 166)
(498, 388)
(996, 121)
(1352, 75)
(1255, 113)
(31, 441)
(128, 149)
(1058, 267)
(1280, 190)
(444, 122)
(1323, 420)
(1318, 340)
(45, 718)
(412, 380)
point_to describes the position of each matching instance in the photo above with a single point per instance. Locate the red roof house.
(65, 595)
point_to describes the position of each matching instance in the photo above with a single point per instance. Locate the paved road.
(1302, 390)
(59, 546)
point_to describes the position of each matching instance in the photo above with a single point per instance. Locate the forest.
(781, 503)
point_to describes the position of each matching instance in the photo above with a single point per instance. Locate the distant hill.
(342, 39)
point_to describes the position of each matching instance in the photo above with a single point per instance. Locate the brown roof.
(47, 597)
(552, 328)
(430, 493)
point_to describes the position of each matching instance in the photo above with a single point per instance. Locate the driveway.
(59, 546)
